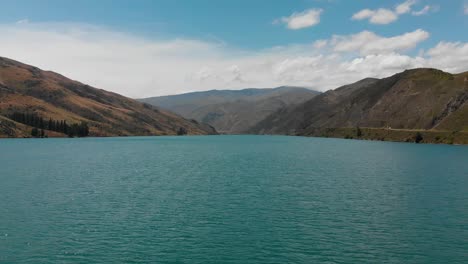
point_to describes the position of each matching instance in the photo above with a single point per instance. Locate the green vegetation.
(396, 135)
(182, 131)
(34, 132)
(39, 124)
(38, 133)
(418, 137)
(358, 132)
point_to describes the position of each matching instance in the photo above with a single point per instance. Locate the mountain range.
(422, 101)
(233, 111)
(420, 105)
(425, 99)
(40, 95)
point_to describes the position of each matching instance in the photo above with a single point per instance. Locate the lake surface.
(232, 199)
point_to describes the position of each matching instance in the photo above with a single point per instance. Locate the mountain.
(418, 99)
(34, 95)
(232, 111)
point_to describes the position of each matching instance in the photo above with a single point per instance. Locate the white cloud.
(22, 21)
(425, 10)
(140, 67)
(421, 12)
(307, 18)
(369, 43)
(380, 16)
(450, 56)
(107, 59)
(405, 7)
(465, 9)
(321, 43)
(387, 63)
(385, 16)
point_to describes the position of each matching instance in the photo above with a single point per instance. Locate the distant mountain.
(37, 95)
(421, 99)
(232, 111)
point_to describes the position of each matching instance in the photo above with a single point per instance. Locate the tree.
(50, 124)
(39, 124)
(34, 132)
(65, 127)
(83, 129)
(78, 130)
(418, 137)
(358, 132)
(182, 131)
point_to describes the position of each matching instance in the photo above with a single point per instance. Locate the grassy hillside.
(231, 111)
(27, 89)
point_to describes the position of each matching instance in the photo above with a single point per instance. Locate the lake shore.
(362, 133)
(393, 135)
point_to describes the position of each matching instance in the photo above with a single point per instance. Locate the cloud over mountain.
(369, 43)
(139, 67)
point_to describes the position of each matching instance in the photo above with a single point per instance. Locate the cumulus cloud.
(421, 12)
(107, 59)
(305, 19)
(321, 43)
(405, 7)
(383, 16)
(384, 62)
(449, 56)
(140, 67)
(379, 16)
(369, 43)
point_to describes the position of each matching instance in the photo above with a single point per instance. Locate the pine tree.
(65, 127)
(34, 132)
(418, 137)
(182, 131)
(39, 124)
(358, 132)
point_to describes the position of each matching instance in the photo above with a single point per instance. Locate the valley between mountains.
(417, 105)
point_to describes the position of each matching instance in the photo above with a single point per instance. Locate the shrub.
(358, 132)
(182, 131)
(418, 137)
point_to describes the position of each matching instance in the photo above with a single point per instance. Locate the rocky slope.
(233, 111)
(27, 89)
(422, 99)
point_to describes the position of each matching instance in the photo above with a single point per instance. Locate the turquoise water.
(232, 199)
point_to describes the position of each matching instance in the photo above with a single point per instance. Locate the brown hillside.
(233, 111)
(27, 89)
(426, 99)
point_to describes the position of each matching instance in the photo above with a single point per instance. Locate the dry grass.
(30, 90)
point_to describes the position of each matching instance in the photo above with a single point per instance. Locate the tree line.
(39, 124)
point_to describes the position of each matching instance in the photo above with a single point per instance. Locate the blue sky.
(225, 31)
(242, 23)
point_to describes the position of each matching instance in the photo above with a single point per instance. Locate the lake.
(232, 199)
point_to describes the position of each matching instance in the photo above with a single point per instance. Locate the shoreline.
(368, 134)
(418, 136)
